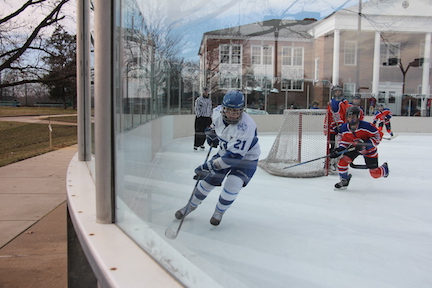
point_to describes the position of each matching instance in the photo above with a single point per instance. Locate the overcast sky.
(220, 14)
(193, 18)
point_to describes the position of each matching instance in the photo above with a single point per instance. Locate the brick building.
(292, 63)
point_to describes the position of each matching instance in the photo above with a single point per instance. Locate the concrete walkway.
(33, 237)
(44, 119)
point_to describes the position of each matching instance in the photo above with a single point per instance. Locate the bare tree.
(21, 53)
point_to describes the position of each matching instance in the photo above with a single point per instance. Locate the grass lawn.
(19, 141)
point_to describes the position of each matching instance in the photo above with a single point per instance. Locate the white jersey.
(236, 141)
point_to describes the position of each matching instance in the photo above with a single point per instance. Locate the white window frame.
(388, 51)
(261, 55)
(230, 82)
(293, 56)
(291, 85)
(316, 69)
(349, 89)
(350, 53)
(230, 54)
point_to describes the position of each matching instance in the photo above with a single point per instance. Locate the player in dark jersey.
(358, 138)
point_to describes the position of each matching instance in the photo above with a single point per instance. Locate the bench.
(13, 103)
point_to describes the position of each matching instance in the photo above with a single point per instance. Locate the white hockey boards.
(301, 138)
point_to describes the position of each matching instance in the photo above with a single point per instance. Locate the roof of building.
(405, 8)
(271, 28)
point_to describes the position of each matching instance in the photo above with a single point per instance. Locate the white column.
(336, 52)
(426, 68)
(103, 92)
(83, 80)
(376, 65)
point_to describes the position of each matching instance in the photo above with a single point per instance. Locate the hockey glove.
(211, 137)
(336, 152)
(361, 145)
(207, 169)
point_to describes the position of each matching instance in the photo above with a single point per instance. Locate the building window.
(235, 54)
(390, 54)
(230, 82)
(256, 55)
(262, 55)
(419, 89)
(316, 69)
(291, 85)
(349, 89)
(350, 53)
(381, 96)
(292, 56)
(422, 56)
(267, 55)
(230, 54)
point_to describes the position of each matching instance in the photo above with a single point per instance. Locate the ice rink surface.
(291, 232)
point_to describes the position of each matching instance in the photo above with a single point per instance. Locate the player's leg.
(388, 128)
(201, 191)
(205, 122)
(230, 191)
(343, 165)
(197, 131)
(375, 170)
(239, 177)
(380, 126)
(200, 134)
(334, 161)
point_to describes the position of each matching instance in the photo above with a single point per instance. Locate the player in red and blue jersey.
(335, 117)
(356, 101)
(358, 138)
(383, 115)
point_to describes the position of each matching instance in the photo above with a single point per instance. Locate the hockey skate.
(386, 170)
(216, 218)
(180, 214)
(343, 185)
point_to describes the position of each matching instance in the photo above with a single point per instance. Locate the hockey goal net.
(300, 139)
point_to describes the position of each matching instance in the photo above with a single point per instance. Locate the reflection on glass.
(278, 54)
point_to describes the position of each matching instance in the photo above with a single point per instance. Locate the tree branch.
(21, 9)
(43, 81)
(49, 20)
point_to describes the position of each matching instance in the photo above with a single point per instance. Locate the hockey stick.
(358, 166)
(339, 153)
(390, 138)
(170, 233)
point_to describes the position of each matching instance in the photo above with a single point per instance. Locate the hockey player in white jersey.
(236, 134)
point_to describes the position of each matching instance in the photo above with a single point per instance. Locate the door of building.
(390, 95)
